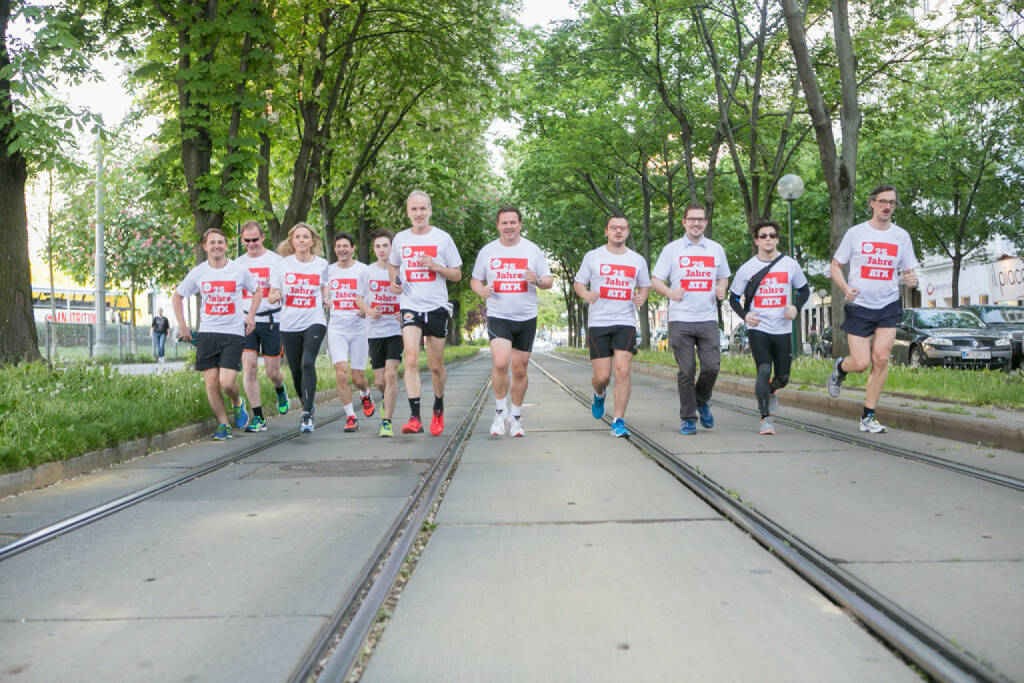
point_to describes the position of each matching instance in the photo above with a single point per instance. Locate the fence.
(120, 340)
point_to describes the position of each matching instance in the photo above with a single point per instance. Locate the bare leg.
(411, 337)
(211, 378)
(435, 358)
(623, 361)
(251, 378)
(884, 338)
(520, 361)
(501, 352)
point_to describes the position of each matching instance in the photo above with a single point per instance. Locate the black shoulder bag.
(754, 282)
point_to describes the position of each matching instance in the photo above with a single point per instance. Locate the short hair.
(691, 207)
(764, 223)
(883, 188)
(251, 225)
(382, 232)
(342, 235)
(613, 216)
(214, 231)
(508, 209)
(419, 193)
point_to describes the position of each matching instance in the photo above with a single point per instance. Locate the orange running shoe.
(351, 424)
(368, 406)
(413, 426)
(437, 423)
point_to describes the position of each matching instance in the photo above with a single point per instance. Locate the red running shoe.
(368, 406)
(413, 426)
(351, 424)
(437, 423)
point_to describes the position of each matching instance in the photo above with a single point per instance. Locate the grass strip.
(75, 408)
(970, 387)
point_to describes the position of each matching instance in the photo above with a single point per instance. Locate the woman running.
(300, 284)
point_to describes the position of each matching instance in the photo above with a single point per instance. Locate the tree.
(60, 39)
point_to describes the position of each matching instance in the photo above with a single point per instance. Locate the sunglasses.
(252, 240)
(767, 236)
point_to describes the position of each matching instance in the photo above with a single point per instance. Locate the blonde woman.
(300, 285)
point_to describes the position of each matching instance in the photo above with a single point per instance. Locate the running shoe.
(835, 380)
(368, 406)
(515, 427)
(413, 426)
(241, 417)
(223, 433)
(619, 427)
(767, 426)
(385, 428)
(870, 424)
(306, 424)
(498, 425)
(282, 403)
(437, 423)
(707, 420)
(773, 404)
(351, 424)
(258, 424)
(688, 427)
(597, 408)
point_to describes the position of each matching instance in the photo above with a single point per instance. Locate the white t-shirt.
(220, 290)
(302, 304)
(378, 282)
(423, 289)
(614, 277)
(344, 285)
(695, 268)
(512, 298)
(875, 258)
(260, 268)
(773, 294)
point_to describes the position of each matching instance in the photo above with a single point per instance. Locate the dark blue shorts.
(265, 339)
(862, 322)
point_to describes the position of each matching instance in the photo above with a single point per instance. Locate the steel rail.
(911, 637)
(368, 593)
(86, 517)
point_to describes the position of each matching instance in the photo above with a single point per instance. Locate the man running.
(422, 260)
(697, 273)
(507, 274)
(266, 338)
(613, 279)
(765, 282)
(346, 330)
(219, 282)
(880, 254)
(383, 329)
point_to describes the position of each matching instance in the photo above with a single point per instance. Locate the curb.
(955, 427)
(51, 473)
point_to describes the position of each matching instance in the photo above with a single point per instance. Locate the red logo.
(880, 249)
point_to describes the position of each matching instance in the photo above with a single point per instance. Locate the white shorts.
(345, 346)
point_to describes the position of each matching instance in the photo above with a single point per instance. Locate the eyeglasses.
(252, 240)
(696, 220)
(767, 236)
(886, 202)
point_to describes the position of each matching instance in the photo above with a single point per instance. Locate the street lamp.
(790, 188)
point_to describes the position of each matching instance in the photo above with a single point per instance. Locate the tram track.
(914, 639)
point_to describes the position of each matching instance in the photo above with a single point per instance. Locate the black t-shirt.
(161, 324)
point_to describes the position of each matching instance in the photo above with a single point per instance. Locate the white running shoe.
(306, 424)
(870, 424)
(767, 426)
(515, 427)
(498, 425)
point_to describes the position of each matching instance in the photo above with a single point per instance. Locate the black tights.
(301, 349)
(768, 350)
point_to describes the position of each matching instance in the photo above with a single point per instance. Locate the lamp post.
(790, 188)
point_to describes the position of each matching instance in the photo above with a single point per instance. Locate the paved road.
(565, 555)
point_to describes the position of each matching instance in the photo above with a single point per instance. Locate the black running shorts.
(520, 332)
(433, 323)
(265, 340)
(862, 322)
(383, 349)
(218, 350)
(603, 340)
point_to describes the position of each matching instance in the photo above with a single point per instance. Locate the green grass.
(970, 387)
(49, 415)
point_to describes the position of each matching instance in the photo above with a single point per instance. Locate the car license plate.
(979, 355)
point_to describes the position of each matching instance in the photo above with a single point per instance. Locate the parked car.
(951, 337)
(1007, 319)
(739, 343)
(723, 341)
(659, 342)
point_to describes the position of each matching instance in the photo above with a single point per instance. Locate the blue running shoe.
(619, 427)
(282, 403)
(223, 433)
(688, 427)
(707, 420)
(597, 408)
(241, 417)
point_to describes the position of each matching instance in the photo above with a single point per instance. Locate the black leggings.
(768, 350)
(301, 349)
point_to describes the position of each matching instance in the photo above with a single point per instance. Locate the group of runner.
(267, 303)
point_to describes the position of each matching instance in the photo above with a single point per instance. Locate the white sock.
(364, 393)
(517, 411)
(349, 411)
(500, 405)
